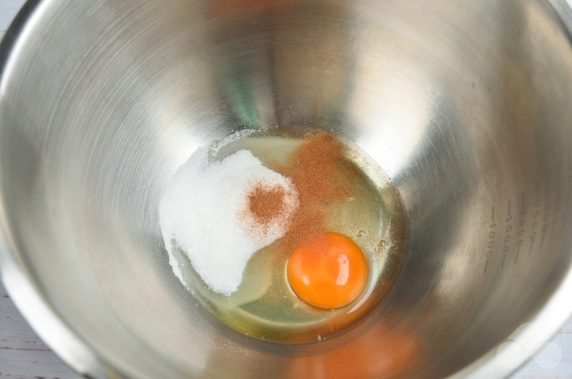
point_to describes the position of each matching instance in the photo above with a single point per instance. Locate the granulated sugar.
(207, 211)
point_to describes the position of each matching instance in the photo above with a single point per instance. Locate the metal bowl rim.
(83, 358)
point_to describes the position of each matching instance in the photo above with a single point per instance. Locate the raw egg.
(279, 270)
(328, 272)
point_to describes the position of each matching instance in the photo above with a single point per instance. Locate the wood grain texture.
(24, 356)
(8, 9)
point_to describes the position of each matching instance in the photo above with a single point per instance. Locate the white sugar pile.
(202, 211)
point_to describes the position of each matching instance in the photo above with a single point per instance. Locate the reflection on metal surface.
(465, 104)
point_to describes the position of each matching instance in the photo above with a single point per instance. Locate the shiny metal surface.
(465, 104)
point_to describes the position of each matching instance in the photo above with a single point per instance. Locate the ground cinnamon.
(319, 171)
(266, 203)
(321, 175)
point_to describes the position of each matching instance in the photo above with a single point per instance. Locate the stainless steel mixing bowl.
(467, 105)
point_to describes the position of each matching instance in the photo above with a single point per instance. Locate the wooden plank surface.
(24, 356)
(8, 9)
(22, 353)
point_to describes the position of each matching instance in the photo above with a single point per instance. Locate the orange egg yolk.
(328, 272)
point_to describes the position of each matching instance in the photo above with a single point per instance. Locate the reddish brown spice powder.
(265, 203)
(321, 174)
(319, 171)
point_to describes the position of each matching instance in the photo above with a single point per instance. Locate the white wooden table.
(24, 356)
